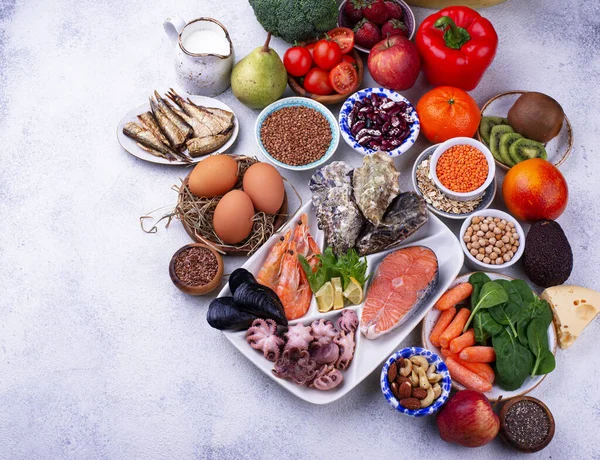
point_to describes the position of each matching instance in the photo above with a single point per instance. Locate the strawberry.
(394, 9)
(376, 11)
(366, 34)
(353, 9)
(394, 27)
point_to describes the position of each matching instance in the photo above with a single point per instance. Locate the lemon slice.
(354, 292)
(324, 297)
(338, 298)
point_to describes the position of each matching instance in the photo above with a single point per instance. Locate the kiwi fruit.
(506, 140)
(486, 125)
(525, 149)
(495, 135)
(536, 116)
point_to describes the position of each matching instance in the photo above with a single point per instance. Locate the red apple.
(394, 63)
(468, 419)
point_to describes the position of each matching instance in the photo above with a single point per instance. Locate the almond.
(404, 390)
(394, 388)
(419, 393)
(392, 372)
(410, 403)
(401, 379)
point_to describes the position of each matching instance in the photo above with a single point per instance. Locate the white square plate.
(369, 354)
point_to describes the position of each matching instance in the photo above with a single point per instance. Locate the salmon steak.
(403, 281)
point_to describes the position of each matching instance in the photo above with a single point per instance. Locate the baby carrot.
(445, 352)
(466, 377)
(442, 323)
(455, 328)
(478, 354)
(463, 341)
(483, 370)
(454, 296)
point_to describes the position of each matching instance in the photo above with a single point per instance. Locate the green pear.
(259, 78)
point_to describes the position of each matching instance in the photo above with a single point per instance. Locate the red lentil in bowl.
(297, 133)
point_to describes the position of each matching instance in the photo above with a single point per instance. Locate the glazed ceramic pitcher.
(203, 54)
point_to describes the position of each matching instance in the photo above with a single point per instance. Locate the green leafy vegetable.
(537, 337)
(346, 266)
(485, 327)
(513, 360)
(477, 280)
(542, 310)
(502, 315)
(491, 294)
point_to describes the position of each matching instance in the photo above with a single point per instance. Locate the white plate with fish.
(369, 353)
(178, 156)
(486, 199)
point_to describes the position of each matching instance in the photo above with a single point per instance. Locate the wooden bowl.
(238, 250)
(330, 99)
(196, 290)
(507, 437)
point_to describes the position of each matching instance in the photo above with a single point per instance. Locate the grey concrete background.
(102, 357)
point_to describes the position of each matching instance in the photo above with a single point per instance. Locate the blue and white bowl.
(299, 102)
(432, 358)
(415, 127)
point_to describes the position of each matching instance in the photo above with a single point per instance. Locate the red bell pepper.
(456, 45)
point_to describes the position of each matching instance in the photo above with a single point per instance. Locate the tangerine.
(446, 112)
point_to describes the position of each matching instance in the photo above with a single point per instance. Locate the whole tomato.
(317, 82)
(327, 54)
(297, 61)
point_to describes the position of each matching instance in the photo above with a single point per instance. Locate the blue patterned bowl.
(295, 102)
(394, 96)
(432, 358)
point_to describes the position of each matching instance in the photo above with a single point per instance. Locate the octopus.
(327, 378)
(347, 324)
(297, 365)
(323, 331)
(298, 336)
(262, 335)
(348, 321)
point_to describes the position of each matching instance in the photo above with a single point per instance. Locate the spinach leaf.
(537, 337)
(513, 361)
(502, 315)
(477, 280)
(542, 310)
(522, 333)
(485, 327)
(491, 294)
(527, 295)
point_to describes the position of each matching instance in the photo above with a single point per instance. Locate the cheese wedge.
(574, 308)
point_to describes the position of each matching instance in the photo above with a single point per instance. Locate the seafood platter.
(329, 291)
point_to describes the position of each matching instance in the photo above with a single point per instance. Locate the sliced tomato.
(344, 37)
(344, 78)
(316, 81)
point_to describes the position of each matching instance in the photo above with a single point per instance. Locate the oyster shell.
(337, 213)
(376, 184)
(405, 215)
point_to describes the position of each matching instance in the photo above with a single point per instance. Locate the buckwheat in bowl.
(297, 133)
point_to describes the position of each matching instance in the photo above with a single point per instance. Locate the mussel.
(238, 277)
(260, 301)
(223, 314)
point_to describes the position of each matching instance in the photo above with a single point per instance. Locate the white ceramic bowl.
(463, 141)
(299, 102)
(415, 126)
(471, 261)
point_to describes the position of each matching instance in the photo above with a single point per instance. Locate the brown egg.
(215, 175)
(264, 185)
(232, 220)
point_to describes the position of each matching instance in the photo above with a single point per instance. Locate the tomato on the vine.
(344, 78)
(327, 54)
(344, 37)
(297, 61)
(317, 82)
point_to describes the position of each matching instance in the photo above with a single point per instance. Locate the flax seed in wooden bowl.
(196, 269)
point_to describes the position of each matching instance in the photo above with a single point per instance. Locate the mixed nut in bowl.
(462, 168)
(415, 381)
(379, 119)
(297, 133)
(492, 240)
(196, 269)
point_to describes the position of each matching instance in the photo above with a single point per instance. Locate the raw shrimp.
(293, 288)
(271, 269)
(305, 244)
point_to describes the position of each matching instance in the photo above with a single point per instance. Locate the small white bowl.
(476, 264)
(473, 143)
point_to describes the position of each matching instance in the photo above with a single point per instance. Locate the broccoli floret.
(295, 20)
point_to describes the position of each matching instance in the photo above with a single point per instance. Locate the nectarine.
(535, 189)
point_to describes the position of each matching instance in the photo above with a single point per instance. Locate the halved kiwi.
(495, 135)
(525, 149)
(506, 140)
(486, 125)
